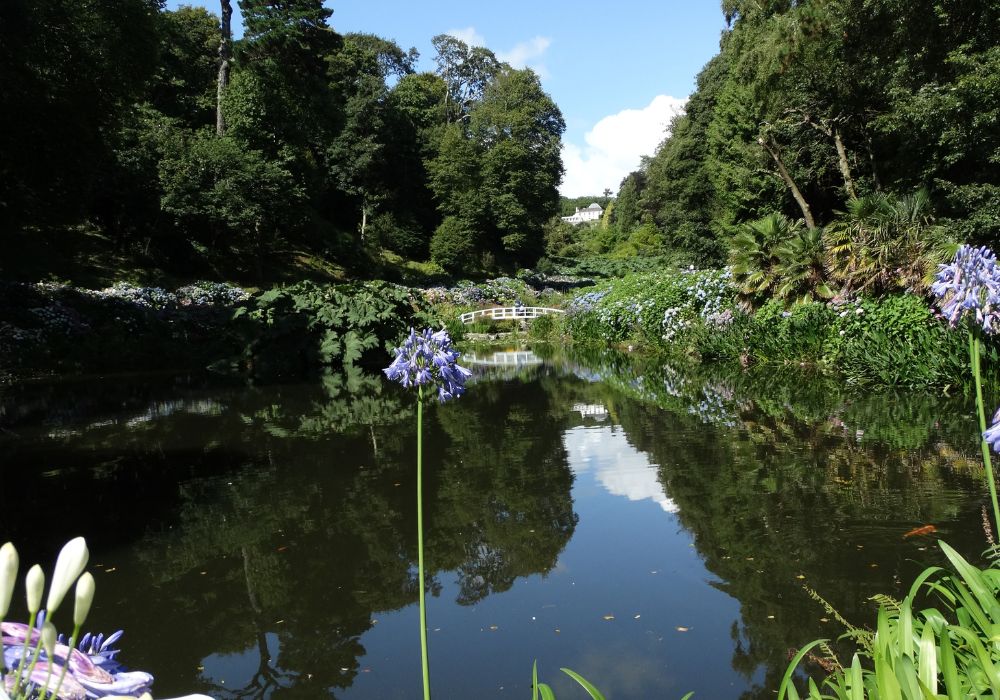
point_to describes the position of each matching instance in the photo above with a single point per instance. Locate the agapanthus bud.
(69, 565)
(8, 576)
(34, 586)
(84, 597)
(49, 639)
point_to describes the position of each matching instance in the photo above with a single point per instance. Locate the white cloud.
(469, 35)
(527, 54)
(615, 146)
(620, 468)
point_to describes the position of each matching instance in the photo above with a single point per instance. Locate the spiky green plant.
(754, 255)
(941, 641)
(801, 267)
(884, 243)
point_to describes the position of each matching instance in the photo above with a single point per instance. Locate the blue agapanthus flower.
(970, 285)
(992, 434)
(427, 358)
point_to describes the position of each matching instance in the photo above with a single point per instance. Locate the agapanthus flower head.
(970, 286)
(428, 359)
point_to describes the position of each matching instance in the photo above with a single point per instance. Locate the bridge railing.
(500, 313)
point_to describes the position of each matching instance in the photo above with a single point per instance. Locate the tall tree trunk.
(796, 192)
(225, 53)
(845, 166)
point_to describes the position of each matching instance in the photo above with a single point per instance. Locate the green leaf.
(594, 692)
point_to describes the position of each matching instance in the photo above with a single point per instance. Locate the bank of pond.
(690, 316)
(657, 528)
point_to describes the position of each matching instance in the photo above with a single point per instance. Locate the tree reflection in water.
(258, 532)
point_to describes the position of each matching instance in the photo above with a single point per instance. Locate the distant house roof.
(596, 206)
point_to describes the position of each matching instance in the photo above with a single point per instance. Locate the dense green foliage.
(309, 326)
(121, 122)
(895, 340)
(811, 105)
(305, 328)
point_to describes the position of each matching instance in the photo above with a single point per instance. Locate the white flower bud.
(49, 639)
(34, 586)
(8, 576)
(69, 565)
(84, 597)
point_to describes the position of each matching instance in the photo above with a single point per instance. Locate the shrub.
(454, 244)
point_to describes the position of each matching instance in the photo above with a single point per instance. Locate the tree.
(69, 71)
(185, 84)
(227, 197)
(285, 101)
(466, 72)
(519, 130)
(356, 156)
(225, 54)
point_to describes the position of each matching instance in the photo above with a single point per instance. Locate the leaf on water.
(637, 617)
(800, 577)
(609, 617)
(683, 629)
(493, 627)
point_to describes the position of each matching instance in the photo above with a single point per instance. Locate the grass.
(85, 257)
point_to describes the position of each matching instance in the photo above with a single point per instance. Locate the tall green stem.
(425, 666)
(974, 348)
(65, 668)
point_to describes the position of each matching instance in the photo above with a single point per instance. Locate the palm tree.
(884, 243)
(801, 267)
(754, 255)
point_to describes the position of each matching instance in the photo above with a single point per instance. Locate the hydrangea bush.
(659, 307)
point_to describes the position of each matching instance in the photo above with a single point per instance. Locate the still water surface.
(649, 528)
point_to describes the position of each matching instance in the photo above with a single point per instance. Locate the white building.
(591, 213)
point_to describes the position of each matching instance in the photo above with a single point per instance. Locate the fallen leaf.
(636, 617)
(683, 629)
(609, 617)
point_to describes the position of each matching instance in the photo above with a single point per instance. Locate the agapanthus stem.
(24, 654)
(975, 345)
(425, 665)
(65, 668)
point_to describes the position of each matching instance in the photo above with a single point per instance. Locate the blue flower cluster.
(501, 291)
(428, 358)
(970, 285)
(586, 302)
(198, 294)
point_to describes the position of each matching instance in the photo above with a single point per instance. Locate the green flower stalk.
(426, 358)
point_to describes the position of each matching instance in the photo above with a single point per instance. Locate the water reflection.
(619, 467)
(258, 540)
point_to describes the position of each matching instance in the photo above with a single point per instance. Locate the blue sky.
(617, 71)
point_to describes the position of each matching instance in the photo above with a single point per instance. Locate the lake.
(656, 529)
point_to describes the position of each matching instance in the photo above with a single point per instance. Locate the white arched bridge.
(509, 358)
(509, 313)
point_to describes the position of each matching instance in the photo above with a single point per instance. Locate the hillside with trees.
(839, 143)
(155, 138)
